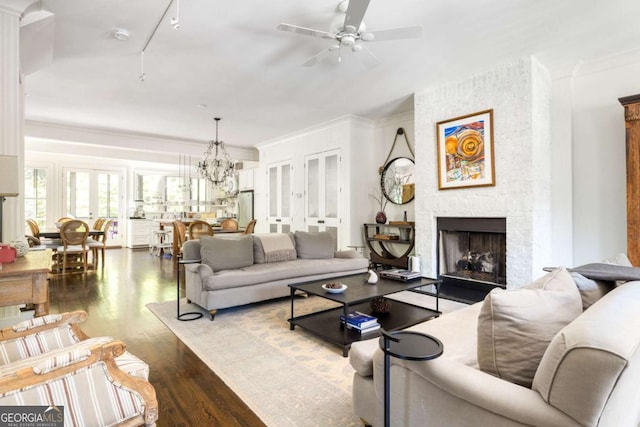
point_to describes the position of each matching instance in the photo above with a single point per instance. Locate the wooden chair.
(99, 243)
(97, 225)
(74, 249)
(179, 237)
(64, 219)
(250, 227)
(35, 239)
(229, 224)
(199, 228)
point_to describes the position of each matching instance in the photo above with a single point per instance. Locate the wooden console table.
(24, 281)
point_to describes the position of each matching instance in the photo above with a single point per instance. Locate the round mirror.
(398, 180)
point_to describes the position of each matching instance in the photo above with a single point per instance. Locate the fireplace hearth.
(471, 256)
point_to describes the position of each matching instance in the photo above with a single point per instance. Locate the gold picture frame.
(465, 151)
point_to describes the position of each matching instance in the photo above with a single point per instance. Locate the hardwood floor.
(188, 392)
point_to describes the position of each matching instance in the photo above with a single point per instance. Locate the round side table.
(191, 315)
(405, 345)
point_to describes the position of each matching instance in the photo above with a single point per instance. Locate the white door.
(322, 192)
(279, 196)
(90, 194)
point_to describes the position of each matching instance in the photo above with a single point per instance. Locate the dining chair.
(179, 237)
(64, 219)
(97, 225)
(99, 243)
(73, 251)
(35, 239)
(199, 228)
(250, 227)
(229, 224)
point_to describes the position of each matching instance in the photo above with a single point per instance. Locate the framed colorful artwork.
(465, 151)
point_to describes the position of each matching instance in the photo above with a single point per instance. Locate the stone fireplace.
(519, 94)
(472, 252)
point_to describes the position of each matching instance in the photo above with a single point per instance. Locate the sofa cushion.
(516, 326)
(296, 270)
(314, 245)
(273, 247)
(224, 254)
(591, 290)
(593, 362)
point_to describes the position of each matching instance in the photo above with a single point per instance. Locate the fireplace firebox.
(472, 253)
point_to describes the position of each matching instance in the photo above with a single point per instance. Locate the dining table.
(55, 234)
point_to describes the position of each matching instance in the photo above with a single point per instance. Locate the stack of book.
(360, 322)
(400, 274)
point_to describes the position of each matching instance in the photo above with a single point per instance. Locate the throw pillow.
(226, 254)
(516, 326)
(591, 290)
(314, 245)
(620, 259)
(273, 247)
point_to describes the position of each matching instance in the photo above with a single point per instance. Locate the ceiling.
(227, 59)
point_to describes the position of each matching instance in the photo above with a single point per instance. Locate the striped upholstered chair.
(47, 333)
(82, 382)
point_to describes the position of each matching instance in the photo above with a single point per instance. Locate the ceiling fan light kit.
(349, 31)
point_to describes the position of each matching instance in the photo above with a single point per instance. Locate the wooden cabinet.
(138, 233)
(632, 124)
(390, 244)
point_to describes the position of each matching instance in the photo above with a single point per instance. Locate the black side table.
(405, 345)
(193, 315)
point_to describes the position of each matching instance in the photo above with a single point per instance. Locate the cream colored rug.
(288, 378)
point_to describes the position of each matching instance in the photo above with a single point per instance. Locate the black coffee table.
(326, 323)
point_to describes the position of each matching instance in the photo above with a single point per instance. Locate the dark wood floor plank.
(189, 393)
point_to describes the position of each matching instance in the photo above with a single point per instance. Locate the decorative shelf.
(380, 247)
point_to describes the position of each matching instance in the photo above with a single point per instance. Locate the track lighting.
(175, 21)
(142, 74)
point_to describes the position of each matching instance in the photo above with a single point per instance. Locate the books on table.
(360, 322)
(400, 274)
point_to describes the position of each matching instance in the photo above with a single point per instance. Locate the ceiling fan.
(350, 32)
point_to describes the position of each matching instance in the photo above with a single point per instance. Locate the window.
(168, 193)
(35, 194)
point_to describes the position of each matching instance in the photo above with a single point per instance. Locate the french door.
(90, 194)
(322, 192)
(279, 196)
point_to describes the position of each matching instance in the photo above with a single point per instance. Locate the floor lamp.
(8, 181)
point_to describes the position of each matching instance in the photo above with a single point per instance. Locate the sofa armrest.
(460, 382)
(204, 271)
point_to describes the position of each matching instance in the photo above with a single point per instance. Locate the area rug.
(288, 378)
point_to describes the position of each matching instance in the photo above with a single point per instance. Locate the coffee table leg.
(291, 325)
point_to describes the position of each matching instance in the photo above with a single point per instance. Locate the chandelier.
(217, 165)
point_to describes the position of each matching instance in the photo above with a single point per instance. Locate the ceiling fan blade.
(393, 34)
(355, 15)
(369, 60)
(306, 31)
(319, 57)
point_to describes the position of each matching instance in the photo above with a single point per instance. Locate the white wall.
(599, 163)
(364, 147)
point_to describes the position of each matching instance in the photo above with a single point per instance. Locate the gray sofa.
(503, 365)
(247, 269)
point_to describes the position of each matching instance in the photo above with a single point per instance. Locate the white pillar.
(12, 111)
